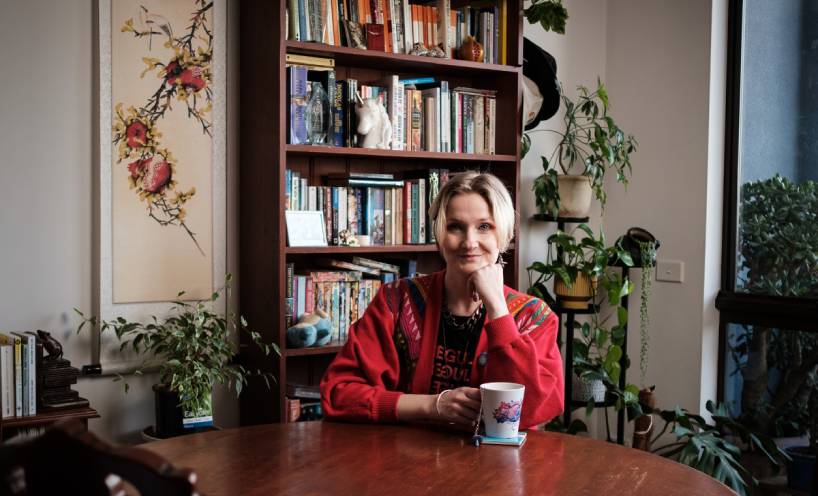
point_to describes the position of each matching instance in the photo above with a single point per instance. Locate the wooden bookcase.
(265, 154)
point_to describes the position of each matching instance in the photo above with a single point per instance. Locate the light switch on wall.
(670, 270)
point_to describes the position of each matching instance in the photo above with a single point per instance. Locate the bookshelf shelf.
(330, 151)
(370, 59)
(363, 249)
(331, 348)
(266, 157)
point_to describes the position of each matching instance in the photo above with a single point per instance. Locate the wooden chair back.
(68, 459)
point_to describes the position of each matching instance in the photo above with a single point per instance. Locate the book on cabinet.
(269, 162)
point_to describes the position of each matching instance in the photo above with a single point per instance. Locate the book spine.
(429, 113)
(18, 376)
(378, 237)
(303, 30)
(417, 120)
(288, 295)
(338, 117)
(334, 196)
(490, 124)
(445, 118)
(479, 125)
(399, 216)
(407, 213)
(335, 314)
(297, 76)
(387, 217)
(424, 207)
(415, 211)
(7, 379)
(443, 9)
(293, 20)
(343, 215)
(25, 374)
(309, 295)
(328, 211)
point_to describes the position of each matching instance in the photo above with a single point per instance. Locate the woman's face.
(469, 238)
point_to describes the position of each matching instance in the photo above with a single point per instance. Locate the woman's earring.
(500, 260)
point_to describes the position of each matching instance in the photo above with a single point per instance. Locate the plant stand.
(569, 317)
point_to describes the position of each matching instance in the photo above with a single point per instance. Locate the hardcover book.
(375, 37)
(297, 89)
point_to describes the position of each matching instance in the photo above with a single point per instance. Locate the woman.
(424, 345)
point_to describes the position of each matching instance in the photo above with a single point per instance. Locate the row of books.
(20, 352)
(344, 295)
(300, 410)
(390, 211)
(426, 114)
(395, 26)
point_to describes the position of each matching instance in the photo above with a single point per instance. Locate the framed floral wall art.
(162, 178)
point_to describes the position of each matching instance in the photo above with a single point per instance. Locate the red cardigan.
(390, 351)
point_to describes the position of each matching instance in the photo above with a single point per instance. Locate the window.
(769, 299)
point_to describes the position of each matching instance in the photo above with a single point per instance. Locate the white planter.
(575, 195)
(584, 390)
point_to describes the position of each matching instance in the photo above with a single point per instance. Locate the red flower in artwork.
(136, 134)
(188, 78)
(136, 167)
(157, 173)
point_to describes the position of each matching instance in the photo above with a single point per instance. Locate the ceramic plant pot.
(575, 195)
(584, 390)
(471, 50)
(801, 470)
(576, 297)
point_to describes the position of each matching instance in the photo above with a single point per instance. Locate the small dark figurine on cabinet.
(56, 375)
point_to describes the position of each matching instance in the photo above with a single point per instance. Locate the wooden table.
(308, 458)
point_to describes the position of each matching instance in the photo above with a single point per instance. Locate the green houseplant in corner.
(590, 145)
(193, 350)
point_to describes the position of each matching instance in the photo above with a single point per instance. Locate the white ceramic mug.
(502, 406)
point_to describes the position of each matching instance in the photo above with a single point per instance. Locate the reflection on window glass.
(778, 150)
(769, 378)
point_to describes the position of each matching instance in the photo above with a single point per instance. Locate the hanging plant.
(647, 250)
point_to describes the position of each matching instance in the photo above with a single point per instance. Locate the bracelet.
(437, 401)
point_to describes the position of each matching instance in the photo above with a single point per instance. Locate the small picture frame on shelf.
(305, 228)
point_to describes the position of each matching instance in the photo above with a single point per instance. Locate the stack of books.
(395, 26)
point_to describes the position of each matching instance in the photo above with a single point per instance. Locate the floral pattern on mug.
(508, 411)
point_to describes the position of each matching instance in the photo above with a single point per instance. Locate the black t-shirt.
(454, 353)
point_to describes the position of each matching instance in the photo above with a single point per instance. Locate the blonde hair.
(491, 189)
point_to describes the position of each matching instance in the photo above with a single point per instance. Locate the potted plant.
(709, 447)
(576, 267)
(802, 469)
(193, 351)
(591, 145)
(778, 368)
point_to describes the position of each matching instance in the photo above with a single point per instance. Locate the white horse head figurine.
(373, 124)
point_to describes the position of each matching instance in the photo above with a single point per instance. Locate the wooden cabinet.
(265, 154)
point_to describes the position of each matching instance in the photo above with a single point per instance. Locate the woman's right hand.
(459, 406)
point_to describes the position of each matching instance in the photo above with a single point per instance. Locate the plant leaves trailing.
(647, 251)
(192, 347)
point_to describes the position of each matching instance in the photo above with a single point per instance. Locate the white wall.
(655, 58)
(48, 122)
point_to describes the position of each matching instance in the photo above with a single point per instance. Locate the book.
(17, 344)
(29, 373)
(303, 391)
(376, 264)
(375, 39)
(344, 265)
(7, 378)
(292, 407)
(309, 60)
(297, 94)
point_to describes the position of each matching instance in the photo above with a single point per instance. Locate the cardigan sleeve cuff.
(501, 332)
(385, 408)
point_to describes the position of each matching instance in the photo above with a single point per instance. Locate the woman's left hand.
(487, 284)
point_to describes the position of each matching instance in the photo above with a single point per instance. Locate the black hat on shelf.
(541, 96)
